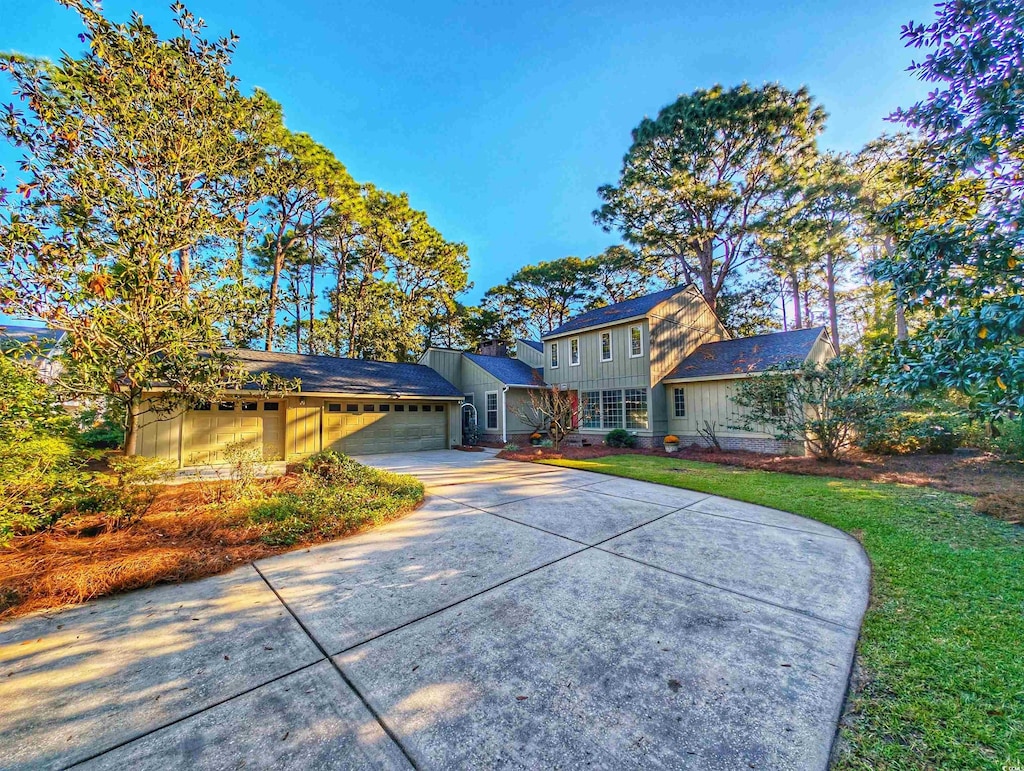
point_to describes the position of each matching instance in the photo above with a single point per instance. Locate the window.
(399, 408)
(606, 346)
(779, 406)
(591, 407)
(636, 407)
(383, 408)
(574, 352)
(438, 408)
(414, 408)
(226, 406)
(426, 408)
(611, 409)
(636, 341)
(334, 408)
(249, 406)
(679, 398)
(554, 356)
(368, 408)
(491, 409)
(271, 407)
(351, 408)
(202, 407)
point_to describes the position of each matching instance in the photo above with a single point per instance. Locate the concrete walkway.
(525, 616)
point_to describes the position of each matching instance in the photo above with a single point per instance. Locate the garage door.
(364, 428)
(210, 429)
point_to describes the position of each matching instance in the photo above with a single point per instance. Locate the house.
(42, 342)
(654, 365)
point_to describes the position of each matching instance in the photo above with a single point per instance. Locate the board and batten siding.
(477, 381)
(445, 362)
(531, 357)
(678, 327)
(710, 400)
(159, 436)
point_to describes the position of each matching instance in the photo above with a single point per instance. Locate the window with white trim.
(491, 409)
(606, 346)
(636, 341)
(574, 352)
(591, 407)
(679, 399)
(554, 356)
(611, 409)
(635, 400)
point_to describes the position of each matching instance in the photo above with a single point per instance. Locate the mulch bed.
(997, 482)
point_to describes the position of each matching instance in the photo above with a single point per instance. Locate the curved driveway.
(524, 617)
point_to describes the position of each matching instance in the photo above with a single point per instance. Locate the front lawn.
(940, 675)
(197, 529)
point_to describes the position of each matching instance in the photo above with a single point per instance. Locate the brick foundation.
(765, 445)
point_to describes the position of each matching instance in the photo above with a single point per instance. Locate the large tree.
(699, 177)
(132, 154)
(963, 274)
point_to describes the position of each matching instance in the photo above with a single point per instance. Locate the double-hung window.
(636, 408)
(606, 346)
(591, 407)
(611, 409)
(491, 409)
(679, 398)
(574, 352)
(554, 356)
(636, 341)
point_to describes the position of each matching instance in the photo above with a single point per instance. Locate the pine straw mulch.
(996, 482)
(192, 530)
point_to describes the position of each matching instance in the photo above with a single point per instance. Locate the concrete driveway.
(524, 617)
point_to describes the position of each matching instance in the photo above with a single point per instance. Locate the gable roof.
(746, 355)
(349, 376)
(512, 372)
(536, 345)
(626, 309)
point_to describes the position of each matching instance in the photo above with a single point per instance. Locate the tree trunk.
(901, 321)
(782, 302)
(275, 283)
(312, 307)
(131, 427)
(795, 289)
(833, 312)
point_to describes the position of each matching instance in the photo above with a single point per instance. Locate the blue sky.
(501, 120)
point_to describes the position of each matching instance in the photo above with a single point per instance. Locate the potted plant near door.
(535, 439)
(671, 443)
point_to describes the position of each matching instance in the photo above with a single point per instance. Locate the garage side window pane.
(226, 406)
(271, 407)
(491, 400)
(611, 409)
(438, 408)
(384, 408)
(334, 408)
(249, 406)
(636, 408)
(591, 405)
(399, 408)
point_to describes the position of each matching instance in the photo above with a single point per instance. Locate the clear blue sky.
(500, 119)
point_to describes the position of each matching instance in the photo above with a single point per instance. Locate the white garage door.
(365, 428)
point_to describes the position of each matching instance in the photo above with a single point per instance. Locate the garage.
(365, 427)
(210, 428)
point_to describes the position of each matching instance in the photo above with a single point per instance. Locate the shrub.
(620, 437)
(546, 443)
(890, 426)
(100, 430)
(333, 467)
(41, 480)
(511, 447)
(135, 489)
(470, 434)
(246, 466)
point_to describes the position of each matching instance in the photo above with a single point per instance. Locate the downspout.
(504, 417)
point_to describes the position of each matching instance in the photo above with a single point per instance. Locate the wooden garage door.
(365, 428)
(208, 432)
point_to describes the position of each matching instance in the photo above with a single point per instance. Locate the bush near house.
(620, 437)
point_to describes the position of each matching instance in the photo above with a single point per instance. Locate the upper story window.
(606, 346)
(554, 356)
(574, 352)
(636, 341)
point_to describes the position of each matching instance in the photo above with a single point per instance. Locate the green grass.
(941, 653)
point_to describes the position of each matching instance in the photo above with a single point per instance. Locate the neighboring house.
(348, 405)
(45, 339)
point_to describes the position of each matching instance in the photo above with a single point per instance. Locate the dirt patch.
(193, 530)
(967, 471)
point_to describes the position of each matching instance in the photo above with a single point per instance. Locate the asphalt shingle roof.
(21, 334)
(536, 345)
(508, 371)
(627, 309)
(747, 354)
(350, 376)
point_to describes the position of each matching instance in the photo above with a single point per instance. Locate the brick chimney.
(493, 348)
